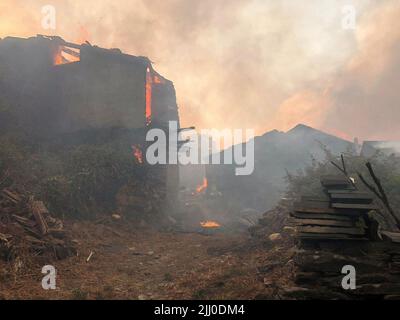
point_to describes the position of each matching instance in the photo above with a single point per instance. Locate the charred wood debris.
(322, 235)
(28, 229)
(100, 181)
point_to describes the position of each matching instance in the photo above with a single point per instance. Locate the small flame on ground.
(210, 224)
(138, 154)
(203, 186)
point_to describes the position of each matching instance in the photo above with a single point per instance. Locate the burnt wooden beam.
(332, 230)
(351, 198)
(345, 212)
(330, 236)
(324, 222)
(321, 216)
(355, 206)
(71, 52)
(39, 210)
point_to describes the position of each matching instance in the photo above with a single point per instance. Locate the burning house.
(83, 94)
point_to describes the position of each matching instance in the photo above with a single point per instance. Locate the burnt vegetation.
(386, 167)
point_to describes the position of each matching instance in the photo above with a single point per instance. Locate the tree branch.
(380, 193)
(344, 165)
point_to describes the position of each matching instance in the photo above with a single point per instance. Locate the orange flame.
(149, 84)
(61, 57)
(210, 224)
(138, 154)
(203, 186)
(58, 58)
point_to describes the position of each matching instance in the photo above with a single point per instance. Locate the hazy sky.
(261, 64)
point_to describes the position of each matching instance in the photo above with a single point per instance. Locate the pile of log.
(272, 221)
(26, 226)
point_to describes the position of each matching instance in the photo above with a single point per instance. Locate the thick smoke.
(249, 63)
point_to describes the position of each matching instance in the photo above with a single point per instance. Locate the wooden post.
(39, 210)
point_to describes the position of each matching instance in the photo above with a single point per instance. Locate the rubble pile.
(319, 270)
(26, 227)
(272, 222)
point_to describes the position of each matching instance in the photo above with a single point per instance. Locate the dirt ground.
(142, 263)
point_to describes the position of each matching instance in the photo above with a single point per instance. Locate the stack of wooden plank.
(339, 214)
(27, 226)
(319, 271)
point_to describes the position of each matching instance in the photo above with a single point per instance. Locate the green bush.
(74, 180)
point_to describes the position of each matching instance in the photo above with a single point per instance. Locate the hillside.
(276, 153)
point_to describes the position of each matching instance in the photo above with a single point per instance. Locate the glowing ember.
(138, 154)
(210, 224)
(203, 186)
(149, 84)
(158, 80)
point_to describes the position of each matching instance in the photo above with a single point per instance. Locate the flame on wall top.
(65, 55)
(149, 89)
(57, 58)
(152, 78)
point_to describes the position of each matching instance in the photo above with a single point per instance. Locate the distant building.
(371, 148)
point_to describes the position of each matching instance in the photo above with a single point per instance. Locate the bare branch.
(338, 167)
(344, 170)
(344, 165)
(370, 187)
(380, 193)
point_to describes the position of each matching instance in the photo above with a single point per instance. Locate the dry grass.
(131, 263)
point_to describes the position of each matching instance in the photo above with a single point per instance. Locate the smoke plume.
(249, 63)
